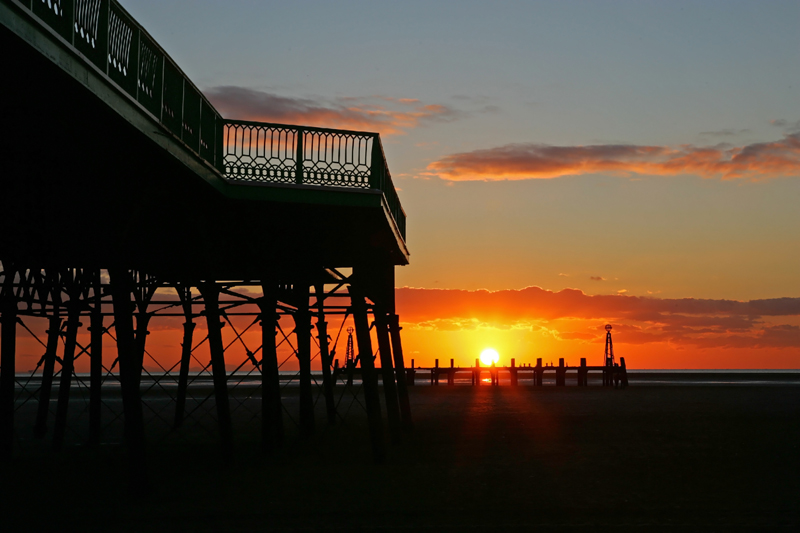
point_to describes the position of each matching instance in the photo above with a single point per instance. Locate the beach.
(699, 457)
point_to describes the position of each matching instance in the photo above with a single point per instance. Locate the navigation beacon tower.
(609, 358)
(350, 354)
(609, 361)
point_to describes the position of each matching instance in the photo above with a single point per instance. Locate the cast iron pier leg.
(8, 347)
(185, 294)
(368, 376)
(121, 291)
(324, 355)
(73, 323)
(210, 293)
(387, 372)
(302, 329)
(53, 332)
(271, 409)
(96, 368)
(400, 372)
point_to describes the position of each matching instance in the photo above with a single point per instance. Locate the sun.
(489, 356)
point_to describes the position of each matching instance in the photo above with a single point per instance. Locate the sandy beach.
(479, 459)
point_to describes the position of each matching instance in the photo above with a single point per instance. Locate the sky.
(563, 164)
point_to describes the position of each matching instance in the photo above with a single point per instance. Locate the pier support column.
(400, 372)
(476, 373)
(53, 335)
(324, 355)
(142, 322)
(210, 293)
(8, 348)
(302, 330)
(96, 364)
(271, 409)
(185, 294)
(368, 376)
(387, 372)
(121, 291)
(538, 373)
(67, 365)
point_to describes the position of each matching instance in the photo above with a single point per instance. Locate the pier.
(127, 200)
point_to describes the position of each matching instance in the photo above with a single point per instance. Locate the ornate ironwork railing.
(111, 40)
(258, 152)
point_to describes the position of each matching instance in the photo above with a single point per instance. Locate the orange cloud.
(637, 320)
(386, 115)
(542, 161)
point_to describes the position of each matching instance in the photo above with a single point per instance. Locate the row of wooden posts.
(616, 375)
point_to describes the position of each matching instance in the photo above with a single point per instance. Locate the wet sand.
(480, 459)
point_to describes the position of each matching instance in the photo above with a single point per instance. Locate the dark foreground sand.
(480, 459)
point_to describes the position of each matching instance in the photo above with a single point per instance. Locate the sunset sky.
(563, 164)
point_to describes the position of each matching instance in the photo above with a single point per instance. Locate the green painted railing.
(114, 43)
(258, 152)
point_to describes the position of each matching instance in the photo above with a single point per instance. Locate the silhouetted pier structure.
(125, 197)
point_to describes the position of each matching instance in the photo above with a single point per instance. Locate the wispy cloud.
(726, 132)
(543, 161)
(597, 278)
(637, 320)
(786, 125)
(386, 115)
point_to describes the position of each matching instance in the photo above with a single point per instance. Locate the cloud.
(543, 161)
(786, 125)
(726, 132)
(581, 317)
(597, 278)
(387, 115)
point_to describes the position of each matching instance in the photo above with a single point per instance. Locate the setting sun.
(489, 356)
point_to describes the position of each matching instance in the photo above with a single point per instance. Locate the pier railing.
(104, 34)
(258, 152)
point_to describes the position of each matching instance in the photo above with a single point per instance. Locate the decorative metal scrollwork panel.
(260, 153)
(148, 83)
(57, 14)
(91, 30)
(336, 159)
(268, 153)
(123, 48)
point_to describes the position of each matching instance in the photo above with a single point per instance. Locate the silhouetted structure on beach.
(121, 180)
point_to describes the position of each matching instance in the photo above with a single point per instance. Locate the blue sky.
(465, 77)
